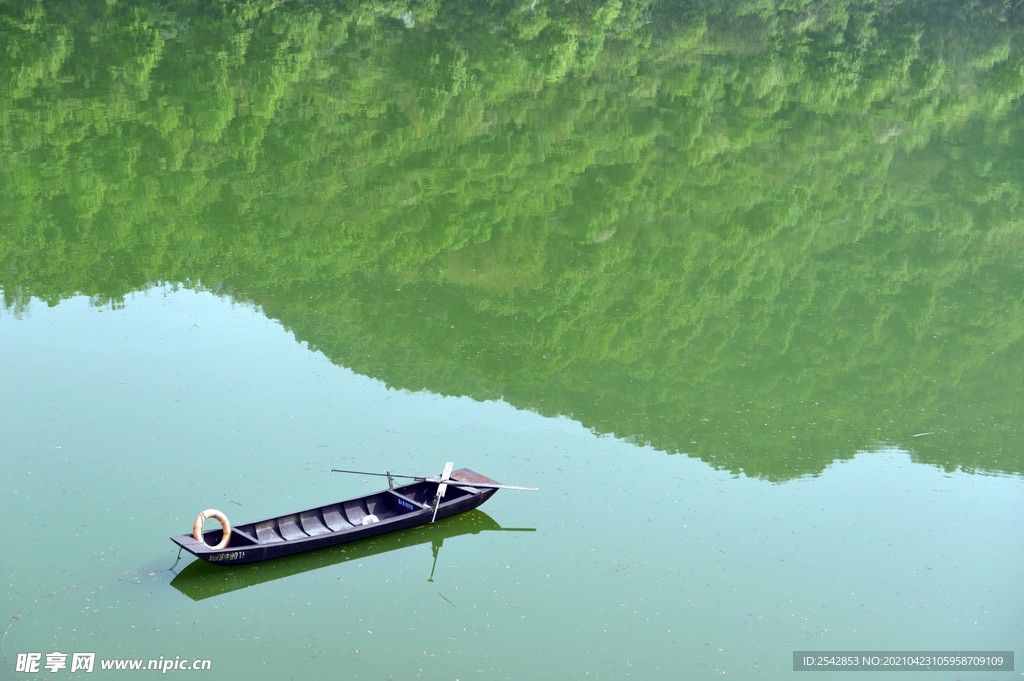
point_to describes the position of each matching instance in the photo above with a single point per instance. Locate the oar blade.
(444, 478)
(442, 488)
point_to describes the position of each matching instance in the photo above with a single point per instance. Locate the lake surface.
(740, 291)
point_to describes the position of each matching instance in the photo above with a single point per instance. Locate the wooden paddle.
(442, 488)
(437, 478)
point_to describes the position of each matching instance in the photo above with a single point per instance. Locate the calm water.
(740, 293)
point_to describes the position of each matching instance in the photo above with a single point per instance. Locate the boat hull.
(395, 510)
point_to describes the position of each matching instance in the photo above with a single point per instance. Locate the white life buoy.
(197, 529)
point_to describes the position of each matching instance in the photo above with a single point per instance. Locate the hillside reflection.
(764, 238)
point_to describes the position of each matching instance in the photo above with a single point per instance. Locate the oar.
(442, 488)
(382, 475)
(436, 478)
(486, 485)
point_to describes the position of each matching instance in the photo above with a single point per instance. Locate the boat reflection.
(200, 580)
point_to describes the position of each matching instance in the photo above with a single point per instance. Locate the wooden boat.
(391, 510)
(201, 580)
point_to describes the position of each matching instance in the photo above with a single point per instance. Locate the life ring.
(197, 529)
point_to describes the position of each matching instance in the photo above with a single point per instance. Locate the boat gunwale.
(204, 551)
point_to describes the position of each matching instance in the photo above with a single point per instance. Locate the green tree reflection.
(764, 234)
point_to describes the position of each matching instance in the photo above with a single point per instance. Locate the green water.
(739, 288)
